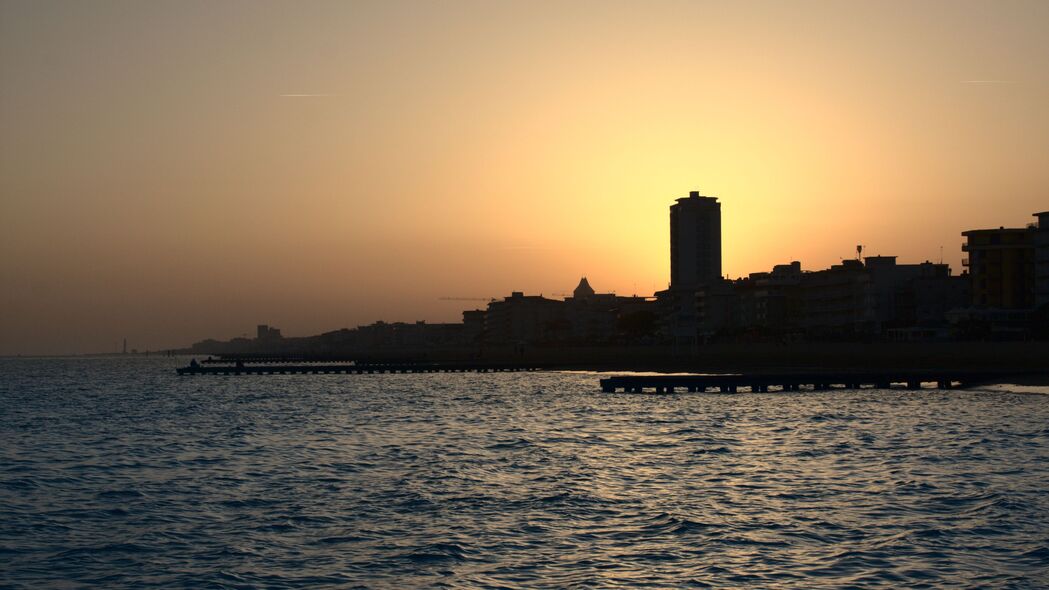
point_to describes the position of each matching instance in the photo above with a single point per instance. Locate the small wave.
(249, 503)
(520, 443)
(745, 541)
(119, 494)
(21, 483)
(437, 553)
(712, 451)
(132, 548)
(340, 540)
(674, 525)
(1040, 555)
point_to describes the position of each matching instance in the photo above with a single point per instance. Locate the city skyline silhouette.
(506, 294)
(169, 172)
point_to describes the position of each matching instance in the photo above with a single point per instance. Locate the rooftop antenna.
(941, 254)
(859, 251)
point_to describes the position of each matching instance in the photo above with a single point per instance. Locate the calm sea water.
(118, 473)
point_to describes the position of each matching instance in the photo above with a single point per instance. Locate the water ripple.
(117, 473)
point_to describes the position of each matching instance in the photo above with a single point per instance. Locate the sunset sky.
(172, 171)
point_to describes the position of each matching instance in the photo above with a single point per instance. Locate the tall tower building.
(695, 241)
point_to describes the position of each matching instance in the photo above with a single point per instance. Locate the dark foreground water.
(118, 473)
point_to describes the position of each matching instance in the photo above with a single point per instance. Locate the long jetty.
(320, 368)
(762, 383)
(652, 383)
(303, 359)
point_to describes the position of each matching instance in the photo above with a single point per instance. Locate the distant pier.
(761, 383)
(659, 383)
(320, 368)
(302, 359)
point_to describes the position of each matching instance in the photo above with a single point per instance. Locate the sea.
(117, 473)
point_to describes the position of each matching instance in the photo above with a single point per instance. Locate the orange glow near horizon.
(170, 172)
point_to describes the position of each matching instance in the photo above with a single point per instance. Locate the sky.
(177, 170)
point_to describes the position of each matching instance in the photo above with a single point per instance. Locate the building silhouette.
(878, 296)
(1001, 267)
(266, 332)
(587, 317)
(473, 325)
(1009, 280)
(583, 290)
(1009, 266)
(699, 301)
(603, 317)
(770, 301)
(522, 318)
(695, 241)
(1004, 296)
(1041, 260)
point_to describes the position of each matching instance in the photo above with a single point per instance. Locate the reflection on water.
(118, 473)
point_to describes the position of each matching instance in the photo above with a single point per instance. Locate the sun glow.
(360, 162)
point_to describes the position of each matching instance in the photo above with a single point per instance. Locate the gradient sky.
(171, 171)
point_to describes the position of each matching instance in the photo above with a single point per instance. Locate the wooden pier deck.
(346, 369)
(761, 383)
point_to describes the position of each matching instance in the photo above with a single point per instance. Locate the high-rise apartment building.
(695, 242)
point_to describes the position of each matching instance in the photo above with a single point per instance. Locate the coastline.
(1016, 362)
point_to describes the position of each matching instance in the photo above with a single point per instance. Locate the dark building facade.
(1041, 260)
(598, 318)
(698, 302)
(587, 317)
(695, 241)
(521, 318)
(1001, 267)
(770, 301)
(266, 332)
